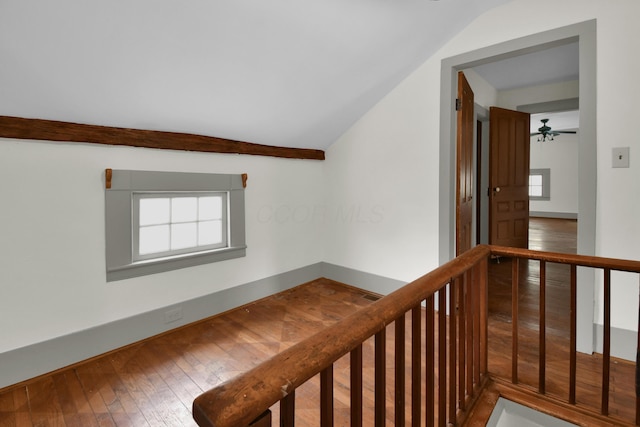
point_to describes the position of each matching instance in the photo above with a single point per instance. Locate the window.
(175, 223)
(160, 221)
(539, 184)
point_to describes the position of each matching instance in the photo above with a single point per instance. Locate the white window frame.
(546, 183)
(138, 196)
(121, 221)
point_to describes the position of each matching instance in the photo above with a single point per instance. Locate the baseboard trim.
(22, 364)
(28, 362)
(361, 279)
(560, 215)
(623, 342)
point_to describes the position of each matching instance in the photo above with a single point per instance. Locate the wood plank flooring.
(556, 235)
(153, 383)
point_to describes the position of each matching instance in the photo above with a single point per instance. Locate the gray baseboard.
(624, 343)
(40, 358)
(360, 279)
(33, 360)
(561, 215)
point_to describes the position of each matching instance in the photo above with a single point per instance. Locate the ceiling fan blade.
(565, 131)
(536, 133)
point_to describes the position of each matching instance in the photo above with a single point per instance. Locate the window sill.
(143, 268)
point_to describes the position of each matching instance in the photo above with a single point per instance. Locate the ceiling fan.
(546, 133)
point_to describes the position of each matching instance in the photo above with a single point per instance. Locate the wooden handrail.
(607, 265)
(572, 259)
(240, 400)
(460, 287)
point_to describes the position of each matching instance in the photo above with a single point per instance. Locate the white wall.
(561, 157)
(536, 94)
(52, 256)
(391, 154)
(484, 94)
(373, 202)
(388, 159)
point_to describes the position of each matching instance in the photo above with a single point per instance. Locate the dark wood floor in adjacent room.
(153, 383)
(554, 235)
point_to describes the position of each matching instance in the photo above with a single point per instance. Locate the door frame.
(585, 34)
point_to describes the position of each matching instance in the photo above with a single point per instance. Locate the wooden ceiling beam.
(51, 130)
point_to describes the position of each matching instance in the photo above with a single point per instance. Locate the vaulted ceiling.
(276, 72)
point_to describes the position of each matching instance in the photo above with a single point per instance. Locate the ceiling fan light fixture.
(546, 133)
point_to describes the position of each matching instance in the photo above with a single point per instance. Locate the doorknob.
(496, 189)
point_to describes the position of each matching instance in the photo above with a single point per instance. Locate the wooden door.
(464, 166)
(509, 178)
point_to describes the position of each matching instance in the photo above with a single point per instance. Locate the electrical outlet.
(173, 315)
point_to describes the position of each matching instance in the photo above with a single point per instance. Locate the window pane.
(184, 209)
(153, 239)
(535, 180)
(210, 233)
(210, 208)
(535, 191)
(154, 211)
(184, 235)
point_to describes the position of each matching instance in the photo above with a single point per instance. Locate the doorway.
(557, 159)
(585, 34)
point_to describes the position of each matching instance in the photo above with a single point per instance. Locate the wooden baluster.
(442, 357)
(356, 386)
(455, 307)
(462, 341)
(399, 371)
(606, 345)
(430, 365)
(380, 377)
(263, 420)
(287, 410)
(542, 345)
(484, 315)
(638, 370)
(416, 363)
(467, 368)
(326, 397)
(515, 284)
(572, 339)
(475, 286)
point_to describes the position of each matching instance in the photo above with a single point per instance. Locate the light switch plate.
(620, 157)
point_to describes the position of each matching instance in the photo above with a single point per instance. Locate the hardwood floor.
(556, 235)
(153, 383)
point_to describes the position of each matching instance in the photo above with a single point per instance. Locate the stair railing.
(448, 329)
(607, 265)
(456, 363)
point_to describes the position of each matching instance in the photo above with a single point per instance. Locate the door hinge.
(458, 104)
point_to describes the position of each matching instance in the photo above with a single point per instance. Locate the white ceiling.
(553, 65)
(279, 72)
(559, 120)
